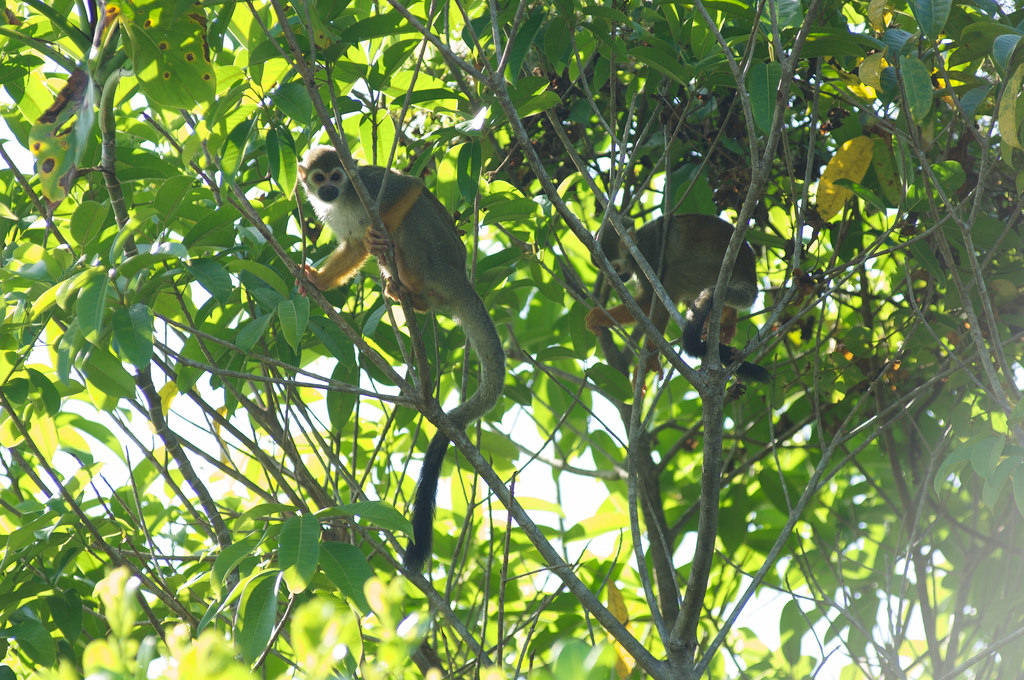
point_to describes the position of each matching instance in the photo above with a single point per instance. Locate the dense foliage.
(204, 473)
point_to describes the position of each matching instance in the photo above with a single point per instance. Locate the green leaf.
(538, 104)
(107, 379)
(252, 332)
(228, 559)
(334, 341)
(236, 145)
(340, 404)
(996, 482)
(557, 43)
(611, 382)
(792, 627)
(982, 452)
(383, 515)
(346, 567)
(35, 641)
(663, 62)
(376, 136)
(293, 101)
(88, 221)
(66, 610)
(283, 159)
(383, 25)
(763, 83)
(931, 15)
(133, 334)
(524, 40)
(91, 305)
(1018, 492)
(951, 176)
(170, 54)
(161, 253)
(972, 99)
(1003, 47)
(299, 551)
(171, 194)
(468, 172)
(293, 315)
(44, 390)
(211, 275)
(258, 616)
(258, 514)
(917, 82)
(885, 173)
(1010, 108)
(897, 41)
(265, 274)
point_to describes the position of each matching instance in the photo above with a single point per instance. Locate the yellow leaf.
(617, 604)
(625, 662)
(167, 394)
(850, 162)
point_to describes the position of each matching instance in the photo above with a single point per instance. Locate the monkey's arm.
(341, 265)
(598, 319)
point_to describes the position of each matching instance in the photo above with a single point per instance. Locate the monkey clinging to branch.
(430, 264)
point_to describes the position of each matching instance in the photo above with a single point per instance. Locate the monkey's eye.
(317, 177)
(336, 176)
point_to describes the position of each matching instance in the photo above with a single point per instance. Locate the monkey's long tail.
(697, 347)
(422, 542)
(483, 336)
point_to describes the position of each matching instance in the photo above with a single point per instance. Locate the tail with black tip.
(422, 543)
(468, 310)
(695, 346)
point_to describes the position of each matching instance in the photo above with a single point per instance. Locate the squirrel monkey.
(430, 259)
(687, 260)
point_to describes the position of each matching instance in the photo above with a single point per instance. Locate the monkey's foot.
(393, 288)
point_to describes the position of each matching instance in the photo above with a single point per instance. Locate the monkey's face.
(322, 175)
(325, 184)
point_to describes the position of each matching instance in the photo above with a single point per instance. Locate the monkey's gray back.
(427, 239)
(694, 247)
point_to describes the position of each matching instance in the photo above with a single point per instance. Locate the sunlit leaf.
(347, 569)
(299, 551)
(918, 85)
(133, 333)
(258, 617)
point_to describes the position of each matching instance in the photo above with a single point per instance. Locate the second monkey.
(686, 253)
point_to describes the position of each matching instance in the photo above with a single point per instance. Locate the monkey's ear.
(302, 172)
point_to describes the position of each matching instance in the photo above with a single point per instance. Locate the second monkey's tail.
(483, 336)
(693, 345)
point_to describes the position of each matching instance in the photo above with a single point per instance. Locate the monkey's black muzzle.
(327, 193)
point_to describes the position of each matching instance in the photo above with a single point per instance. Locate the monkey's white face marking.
(326, 190)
